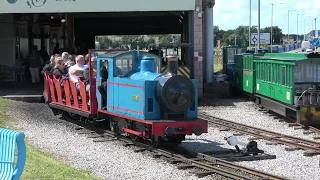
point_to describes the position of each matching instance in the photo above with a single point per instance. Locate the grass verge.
(40, 165)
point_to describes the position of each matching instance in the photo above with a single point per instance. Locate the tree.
(218, 35)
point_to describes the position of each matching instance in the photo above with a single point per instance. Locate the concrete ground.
(22, 91)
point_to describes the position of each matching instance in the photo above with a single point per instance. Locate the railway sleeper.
(175, 161)
(316, 138)
(238, 134)
(224, 129)
(308, 132)
(140, 150)
(185, 166)
(95, 136)
(298, 127)
(292, 148)
(272, 143)
(293, 124)
(255, 138)
(310, 153)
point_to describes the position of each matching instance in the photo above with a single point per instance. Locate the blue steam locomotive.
(138, 97)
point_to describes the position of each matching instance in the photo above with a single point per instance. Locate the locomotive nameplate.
(135, 97)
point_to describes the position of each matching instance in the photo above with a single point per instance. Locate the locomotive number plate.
(135, 97)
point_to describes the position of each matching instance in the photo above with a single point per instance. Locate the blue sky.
(228, 14)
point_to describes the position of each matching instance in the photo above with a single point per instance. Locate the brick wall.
(198, 47)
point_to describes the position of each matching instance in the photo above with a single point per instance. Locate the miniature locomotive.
(139, 100)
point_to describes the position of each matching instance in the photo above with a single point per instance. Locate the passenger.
(65, 57)
(77, 70)
(86, 75)
(59, 68)
(34, 63)
(102, 88)
(49, 67)
(87, 72)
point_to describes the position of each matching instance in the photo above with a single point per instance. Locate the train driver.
(102, 87)
(77, 70)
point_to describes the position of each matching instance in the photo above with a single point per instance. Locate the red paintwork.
(47, 92)
(67, 91)
(134, 132)
(51, 87)
(75, 94)
(128, 85)
(59, 90)
(84, 95)
(159, 127)
(124, 109)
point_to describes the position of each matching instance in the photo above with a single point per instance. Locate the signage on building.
(264, 38)
(58, 6)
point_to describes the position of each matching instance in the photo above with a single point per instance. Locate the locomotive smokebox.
(172, 64)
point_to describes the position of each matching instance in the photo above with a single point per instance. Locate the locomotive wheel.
(133, 137)
(114, 128)
(154, 141)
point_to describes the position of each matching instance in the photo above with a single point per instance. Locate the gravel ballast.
(107, 160)
(290, 164)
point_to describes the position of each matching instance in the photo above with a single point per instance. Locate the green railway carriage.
(245, 73)
(285, 83)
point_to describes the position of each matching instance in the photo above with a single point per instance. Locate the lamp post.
(250, 24)
(272, 4)
(298, 26)
(258, 24)
(289, 21)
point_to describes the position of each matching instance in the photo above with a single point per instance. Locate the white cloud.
(228, 14)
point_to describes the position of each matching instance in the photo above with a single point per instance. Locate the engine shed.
(71, 22)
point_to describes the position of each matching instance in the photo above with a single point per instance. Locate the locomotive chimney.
(172, 64)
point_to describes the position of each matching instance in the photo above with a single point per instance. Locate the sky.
(228, 14)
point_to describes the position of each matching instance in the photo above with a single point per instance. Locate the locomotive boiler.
(174, 93)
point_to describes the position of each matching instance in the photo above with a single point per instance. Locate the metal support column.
(209, 49)
(258, 24)
(191, 42)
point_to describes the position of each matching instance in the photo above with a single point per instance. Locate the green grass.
(41, 165)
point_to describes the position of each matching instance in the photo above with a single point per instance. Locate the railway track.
(203, 164)
(294, 143)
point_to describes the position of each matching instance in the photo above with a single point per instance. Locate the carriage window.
(123, 65)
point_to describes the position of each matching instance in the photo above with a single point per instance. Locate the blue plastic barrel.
(231, 72)
(280, 49)
(287, 48)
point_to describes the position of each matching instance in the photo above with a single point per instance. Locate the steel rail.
(275, 137)
(210, 164)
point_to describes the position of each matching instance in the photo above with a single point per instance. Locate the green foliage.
(127, 42)
(241, 33)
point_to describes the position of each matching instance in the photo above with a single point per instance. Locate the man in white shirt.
(77, 70)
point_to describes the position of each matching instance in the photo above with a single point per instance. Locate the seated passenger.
(49, 67)
(59, 68)
(103, 86)
(87, 72)
(77, 70)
